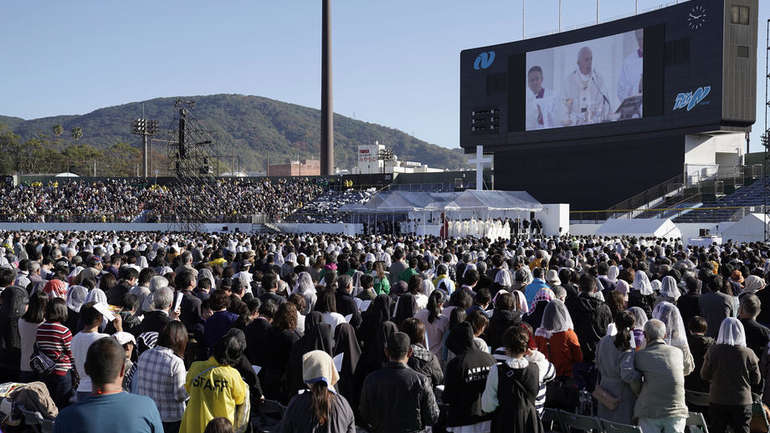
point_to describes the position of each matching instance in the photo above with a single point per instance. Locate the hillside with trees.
(247, 131)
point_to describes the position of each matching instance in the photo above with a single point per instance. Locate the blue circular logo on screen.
(484, 60)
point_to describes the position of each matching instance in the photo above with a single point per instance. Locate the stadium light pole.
(145, 128)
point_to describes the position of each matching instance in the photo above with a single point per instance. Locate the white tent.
(473, 203)
(642, 227)
(749, 229)
(66, 174)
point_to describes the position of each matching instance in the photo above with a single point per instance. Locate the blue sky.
(396, 63)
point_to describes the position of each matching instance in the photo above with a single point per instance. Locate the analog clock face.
(697, 17)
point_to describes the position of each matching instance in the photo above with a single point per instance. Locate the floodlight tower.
(145, 128)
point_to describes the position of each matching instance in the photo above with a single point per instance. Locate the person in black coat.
(590, 316)
(504, 316)
(378, 313)
(190, 307)
(346, 304)
(757, 336)
(466, 377)
(346, 344)
(257, 331)
(688, 303)
(406, 307)
(396, 398)
(280, 340)
(156, 320)
(422, 360)
(317, 336)
(373, 355)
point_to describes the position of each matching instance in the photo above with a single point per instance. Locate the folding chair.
(696, 423)
(580, 422)
(552, 420)
(616, 427)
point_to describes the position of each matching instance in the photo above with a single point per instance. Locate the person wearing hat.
(320, 408)
(128, 342)
(396, 398)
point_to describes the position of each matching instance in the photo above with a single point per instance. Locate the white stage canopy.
(641, 227)
(750, 228)
(465, 204)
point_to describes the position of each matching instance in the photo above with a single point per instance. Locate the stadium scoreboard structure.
(624, 89)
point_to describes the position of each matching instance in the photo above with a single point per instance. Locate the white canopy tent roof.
(751, 228)
(465, 204)
(642, 227)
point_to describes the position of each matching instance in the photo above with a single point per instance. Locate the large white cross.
(479, 160)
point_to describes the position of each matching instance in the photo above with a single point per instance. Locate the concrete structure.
(305, 167)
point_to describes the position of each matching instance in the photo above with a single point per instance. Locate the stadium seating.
(728, 206)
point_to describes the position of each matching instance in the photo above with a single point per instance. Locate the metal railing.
(694, 214)
(648, 195)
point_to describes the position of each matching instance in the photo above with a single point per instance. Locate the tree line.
(58, 152)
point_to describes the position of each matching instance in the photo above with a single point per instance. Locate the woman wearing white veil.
(640, 319)
(642, 283)
(307, 290)
(669, 292)
(556, 338)
(642, 294)
(753, 283)
(732, 369)
(676, 335)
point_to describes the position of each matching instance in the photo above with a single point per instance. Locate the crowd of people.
(111, 200)
(148, 332)
(231, 199)
(132, 200)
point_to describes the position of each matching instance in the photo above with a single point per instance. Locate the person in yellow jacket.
(215, 386)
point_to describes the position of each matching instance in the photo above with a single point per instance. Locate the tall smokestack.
(327, 112)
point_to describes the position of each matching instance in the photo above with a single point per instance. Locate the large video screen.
(586, 83)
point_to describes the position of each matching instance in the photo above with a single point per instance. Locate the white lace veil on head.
(731, 332)
(556, 319)
(667, 313)
(669, 288)
(642, 283)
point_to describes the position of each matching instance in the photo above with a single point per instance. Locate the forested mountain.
(247, 129)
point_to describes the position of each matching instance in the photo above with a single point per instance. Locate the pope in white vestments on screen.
(585, 95)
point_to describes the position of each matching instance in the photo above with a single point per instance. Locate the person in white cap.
(128, 342)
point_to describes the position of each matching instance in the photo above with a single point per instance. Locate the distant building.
(376, 158)
(305, 167)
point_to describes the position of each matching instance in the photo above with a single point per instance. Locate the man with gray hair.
(158, 318)
(187, 260)
(156, 283)
(660, 406)
(757, 335)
